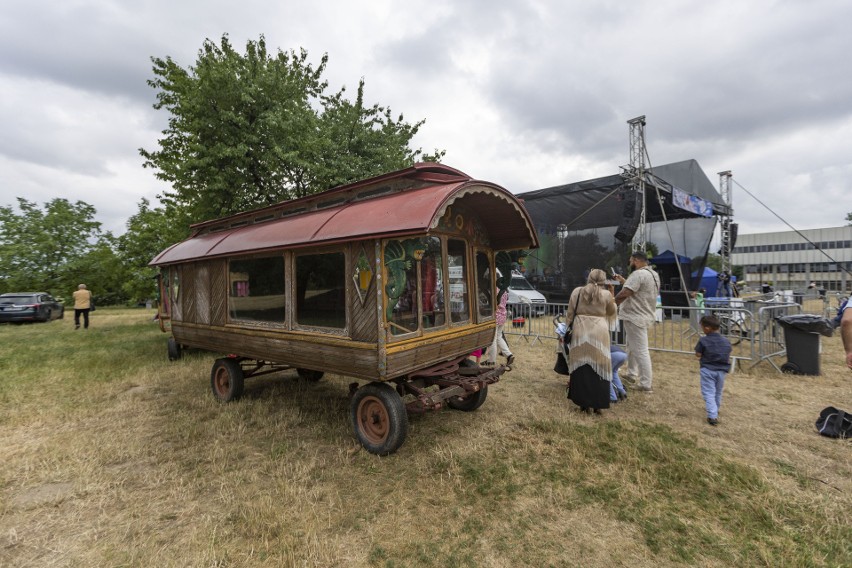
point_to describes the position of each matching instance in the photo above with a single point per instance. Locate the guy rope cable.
(813, 244)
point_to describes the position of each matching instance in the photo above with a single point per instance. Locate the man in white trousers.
(637, 302)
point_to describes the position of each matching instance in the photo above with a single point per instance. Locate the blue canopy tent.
(668, 257)
(709, 281)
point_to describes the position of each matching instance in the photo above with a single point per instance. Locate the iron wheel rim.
(373, 419)
(222, 381)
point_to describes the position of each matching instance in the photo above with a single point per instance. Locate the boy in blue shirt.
(714, 352)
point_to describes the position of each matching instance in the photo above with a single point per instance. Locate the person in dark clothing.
(725, 280)
(714, 353)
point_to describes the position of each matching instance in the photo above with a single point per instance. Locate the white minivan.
(523, 298)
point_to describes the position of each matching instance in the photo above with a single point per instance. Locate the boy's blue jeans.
(712, 383)
(618, 359)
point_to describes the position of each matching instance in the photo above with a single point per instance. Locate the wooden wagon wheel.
(379, 418)
(174, 349)
(226, 380)
(470, 402)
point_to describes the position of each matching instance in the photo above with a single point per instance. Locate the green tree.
(248, 130)
(148, 233)
(849, 218)
(102, 270)
(37, 246)
(714, 261)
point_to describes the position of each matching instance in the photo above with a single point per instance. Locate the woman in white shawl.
(588, 358)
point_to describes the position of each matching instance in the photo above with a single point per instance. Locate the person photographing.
(637, 302)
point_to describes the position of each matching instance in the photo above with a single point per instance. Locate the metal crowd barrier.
(749, 323)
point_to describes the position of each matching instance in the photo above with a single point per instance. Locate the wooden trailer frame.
(388, 280)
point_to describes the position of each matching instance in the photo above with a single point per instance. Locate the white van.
(523, 298)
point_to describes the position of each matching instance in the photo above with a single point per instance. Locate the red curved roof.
(404, 212)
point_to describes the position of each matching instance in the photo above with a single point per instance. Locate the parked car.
(29, 306)
(524, 300)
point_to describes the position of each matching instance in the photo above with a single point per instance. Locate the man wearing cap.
(637, 302)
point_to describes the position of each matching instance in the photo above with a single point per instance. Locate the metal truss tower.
(725, 192)
(636, 175)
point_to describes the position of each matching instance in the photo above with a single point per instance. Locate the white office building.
(787, 259)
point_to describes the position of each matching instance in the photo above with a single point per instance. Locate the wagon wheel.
(309, 375)
(731, 329)
(174, 349)
(470, 402)
(379, 418)
(226, 380)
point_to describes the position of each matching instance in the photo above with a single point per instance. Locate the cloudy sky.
(526, 94)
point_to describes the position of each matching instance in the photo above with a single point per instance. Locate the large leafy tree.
(148, 233)
(102, 270)
(38, 246)
(248, 130)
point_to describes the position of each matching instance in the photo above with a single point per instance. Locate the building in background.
(791, 260)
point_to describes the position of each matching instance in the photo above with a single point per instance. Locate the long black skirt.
(587, 389)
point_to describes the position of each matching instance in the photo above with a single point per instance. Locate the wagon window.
(256, 289)
(432, 284)
(456, 270)
(321, 290)
(484, 285)
(402, 293)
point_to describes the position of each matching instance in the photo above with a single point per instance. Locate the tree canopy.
(248, 130)
(244, 130)
(149, 232)
(38, 247)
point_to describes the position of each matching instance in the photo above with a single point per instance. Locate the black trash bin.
(801, 336)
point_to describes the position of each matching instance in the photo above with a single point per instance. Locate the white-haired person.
(82, 305)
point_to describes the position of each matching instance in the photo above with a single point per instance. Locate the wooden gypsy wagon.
(389, 280)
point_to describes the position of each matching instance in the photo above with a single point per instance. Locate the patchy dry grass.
(113, 456)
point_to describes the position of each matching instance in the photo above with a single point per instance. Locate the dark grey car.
(29, 306)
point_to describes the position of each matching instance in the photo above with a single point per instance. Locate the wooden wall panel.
(202, 292)
(362, 315)
(218, 292)
(175, 274)
(298, 350)
(427, 352)
(189, 293)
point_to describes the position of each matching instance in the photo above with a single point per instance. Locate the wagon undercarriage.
(448, 382)
(378, 410)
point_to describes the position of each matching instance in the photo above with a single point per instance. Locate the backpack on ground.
(834, 423)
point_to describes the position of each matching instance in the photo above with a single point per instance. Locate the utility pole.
(636, 174)
(725, 192)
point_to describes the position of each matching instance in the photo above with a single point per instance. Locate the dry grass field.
(110, 455)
